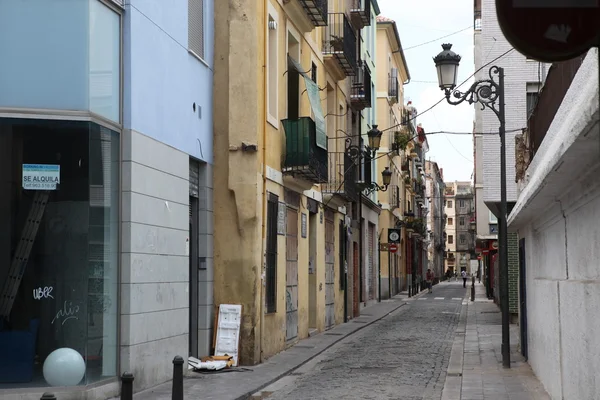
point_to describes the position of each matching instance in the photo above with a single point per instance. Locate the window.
(493, 219)
(461, 221)
(450, 239)
(461, 204)
(462, 239)
(271, 264)
(196, 27)
(68, 289)
(293, 77)
(272, 70)
(532, 99)
(313, 73)
(449, 205)
(450, 221)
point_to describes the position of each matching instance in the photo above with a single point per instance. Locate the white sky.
(419, 22)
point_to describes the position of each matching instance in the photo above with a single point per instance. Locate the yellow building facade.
(284, 70)
(392, 74)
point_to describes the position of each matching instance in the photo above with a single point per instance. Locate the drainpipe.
(264, 188)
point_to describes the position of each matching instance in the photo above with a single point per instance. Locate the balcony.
(361, 87)
(559, 78)
(394, 193)
(303, 158)
(342, 177)
(393, 87)
(360, 13)
(339, 47)
(307, 14)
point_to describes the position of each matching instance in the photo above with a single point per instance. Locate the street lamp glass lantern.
(386, 176)
(374, 138)
(446, 63)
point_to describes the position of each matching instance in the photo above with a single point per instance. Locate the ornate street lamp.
(487, 93)
(374, 136)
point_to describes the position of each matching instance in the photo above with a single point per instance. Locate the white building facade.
(556, 218)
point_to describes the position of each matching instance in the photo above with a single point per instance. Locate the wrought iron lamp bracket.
(374, 187)
(485, 92)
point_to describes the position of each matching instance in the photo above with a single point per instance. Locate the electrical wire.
(435, 40)
(444, 98)
(404, 123)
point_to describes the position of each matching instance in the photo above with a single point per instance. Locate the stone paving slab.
(483, 376)
(241, 385)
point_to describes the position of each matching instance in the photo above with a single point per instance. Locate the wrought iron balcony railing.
(316, 11)
(339, 41)
(361, 95)
(342, 176)
(303, 158)
(360, 13)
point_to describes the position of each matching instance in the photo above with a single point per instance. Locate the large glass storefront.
(59, 202)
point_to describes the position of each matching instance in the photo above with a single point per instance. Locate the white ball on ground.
(64, 367)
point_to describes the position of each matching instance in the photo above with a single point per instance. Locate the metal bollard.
(48, 396)
(472, 288)
(177, 392)
(127, 386)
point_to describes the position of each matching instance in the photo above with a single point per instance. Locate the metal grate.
(271, 262)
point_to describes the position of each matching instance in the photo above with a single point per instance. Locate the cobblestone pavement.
(403, 356)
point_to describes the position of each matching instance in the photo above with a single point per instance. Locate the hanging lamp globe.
(446, 63)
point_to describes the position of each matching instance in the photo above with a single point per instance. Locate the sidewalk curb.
(452, 389)
(247, 395)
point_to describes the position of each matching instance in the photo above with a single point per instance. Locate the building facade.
(464, 220)
(436, 223)
(105, 168)
(523, 78)
(450, 261)
(555, 218)
(393, 73)
(290, 202)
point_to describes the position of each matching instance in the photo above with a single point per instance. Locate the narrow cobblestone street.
(403, 356)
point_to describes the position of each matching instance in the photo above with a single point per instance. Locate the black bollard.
(127, 386)
(472, 288)
(48, 396)
(177, 392)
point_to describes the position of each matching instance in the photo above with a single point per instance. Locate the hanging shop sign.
(41, 176)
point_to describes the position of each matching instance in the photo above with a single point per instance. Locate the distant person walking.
(463, 273)
(429, 279)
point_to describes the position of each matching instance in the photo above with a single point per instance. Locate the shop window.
(62, 177)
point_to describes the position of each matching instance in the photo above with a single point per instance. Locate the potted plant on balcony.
(407, 180)
(337, 43)
(401, 139)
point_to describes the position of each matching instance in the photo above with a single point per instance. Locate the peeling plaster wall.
(238, 183)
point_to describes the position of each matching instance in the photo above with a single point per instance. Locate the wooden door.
(291, 276)
(356, 283)
(329, 271)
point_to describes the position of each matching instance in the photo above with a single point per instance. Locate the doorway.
(329, 270)
(356, 283)
(291, 276)
(312, 271)
(192, 252)
(523, 299)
